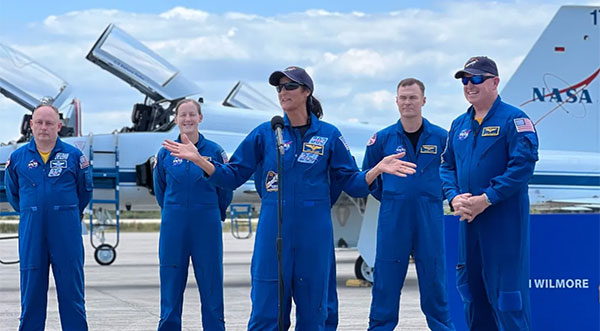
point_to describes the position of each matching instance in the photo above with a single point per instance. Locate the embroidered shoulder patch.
(372, 139)
(524, 125)
(344, 142)
(224, 157)
(83, 162)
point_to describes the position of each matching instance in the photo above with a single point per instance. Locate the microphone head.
(277, 122)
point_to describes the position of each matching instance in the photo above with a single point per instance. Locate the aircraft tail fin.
(558, 82)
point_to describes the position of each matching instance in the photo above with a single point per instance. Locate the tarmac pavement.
(125, 295)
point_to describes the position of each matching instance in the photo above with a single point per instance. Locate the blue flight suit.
(50, 198)
(496, 158)
(411, 219)
(192, 210)
(310, 164)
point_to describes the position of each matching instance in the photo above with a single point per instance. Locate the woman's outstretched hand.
(185, 150)
(392, 165)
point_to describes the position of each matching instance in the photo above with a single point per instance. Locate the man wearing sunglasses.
(411, 217)
(489, 159)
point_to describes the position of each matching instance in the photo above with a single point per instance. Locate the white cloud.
(197, 16)
(355, 58)
(377, 100)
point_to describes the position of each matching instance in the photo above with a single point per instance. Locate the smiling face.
(45, 125)
(187, 118)
(481, 94)
(410, 100)
(294, 100)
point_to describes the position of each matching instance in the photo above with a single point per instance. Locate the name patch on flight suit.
(177, 161)
(58, 164)
(32, 164)
(490, 131)
(271, 183)
(61, 156)
(428, 149)
(312, 148)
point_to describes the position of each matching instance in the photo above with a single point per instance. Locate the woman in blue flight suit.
(192, 210)
(316, 155)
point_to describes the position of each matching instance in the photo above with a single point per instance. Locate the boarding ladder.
(241, 218)
(105, 172)
(3, 199)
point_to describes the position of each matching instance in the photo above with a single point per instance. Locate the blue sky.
(356, 51)
(15, 12)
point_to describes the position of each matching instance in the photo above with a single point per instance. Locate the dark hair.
(412, 81)
(314, 106)
(184, 101)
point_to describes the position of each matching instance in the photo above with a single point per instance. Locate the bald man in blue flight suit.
(488, 162)
(411, 216)
(192, 210)
(49, 183)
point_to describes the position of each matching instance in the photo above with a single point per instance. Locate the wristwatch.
(487, 200)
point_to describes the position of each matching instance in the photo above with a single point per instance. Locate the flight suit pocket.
(68, 217)
(27, 239)
(462, 283)
(510, 301)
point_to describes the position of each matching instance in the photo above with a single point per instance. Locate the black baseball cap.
(478, 65)
(294, 73)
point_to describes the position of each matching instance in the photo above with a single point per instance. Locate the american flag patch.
(83, 162)
(524, 125)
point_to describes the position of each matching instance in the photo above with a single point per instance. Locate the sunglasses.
(289, 86)
(476, 80)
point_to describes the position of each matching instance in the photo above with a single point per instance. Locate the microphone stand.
(280, 153)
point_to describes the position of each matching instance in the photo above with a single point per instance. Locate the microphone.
(277, 126)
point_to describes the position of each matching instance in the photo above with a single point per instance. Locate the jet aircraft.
(557, 85)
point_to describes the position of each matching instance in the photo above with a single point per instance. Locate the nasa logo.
(464, 134)
(572, 95)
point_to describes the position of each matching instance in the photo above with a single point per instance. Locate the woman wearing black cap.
(317, 165)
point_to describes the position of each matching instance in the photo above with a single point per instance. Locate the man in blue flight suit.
(411, 214)
(489, 159)
(49, 183)
(192, 210)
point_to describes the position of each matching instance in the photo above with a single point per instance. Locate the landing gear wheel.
(105, 254)
(362, 270)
